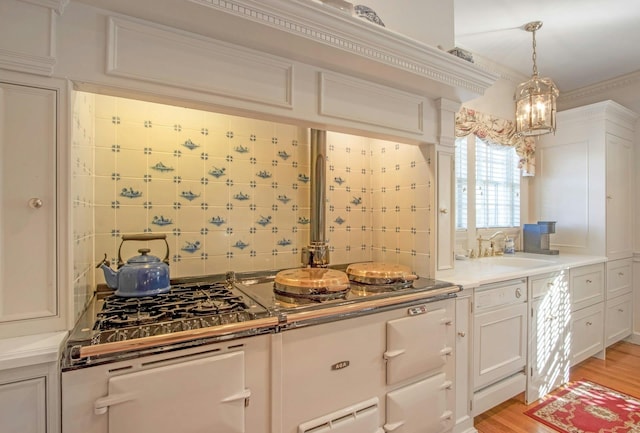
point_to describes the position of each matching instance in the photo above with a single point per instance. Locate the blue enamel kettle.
(142, 275)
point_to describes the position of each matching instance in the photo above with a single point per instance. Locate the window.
(489, 176)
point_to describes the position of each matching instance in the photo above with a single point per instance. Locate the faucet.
(491, 251)
(499, 252)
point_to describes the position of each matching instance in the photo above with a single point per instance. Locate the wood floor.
(620, 371)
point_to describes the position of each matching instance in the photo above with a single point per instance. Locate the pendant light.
(536, 98)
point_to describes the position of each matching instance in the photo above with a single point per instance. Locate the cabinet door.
(499, 344)
(23, 406)
(548, 361)
(619, 168)
(586, 330)
(618, 319)
(28, 279)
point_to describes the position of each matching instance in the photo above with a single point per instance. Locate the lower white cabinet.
(549, 314)
(586, 323)
(29, 399)
(618, 319)
(586, 332)
(499, 343)
(619, 301)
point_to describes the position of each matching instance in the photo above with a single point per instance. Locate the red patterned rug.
(586, 407)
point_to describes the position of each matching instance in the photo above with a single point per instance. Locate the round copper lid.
(312, 280)
(378, 272)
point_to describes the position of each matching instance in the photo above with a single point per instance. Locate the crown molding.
(602, 87)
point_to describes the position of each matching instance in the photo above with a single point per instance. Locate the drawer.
(587, 332)
(618, 278)
(586, 286)
(497, 295)
(618, 319)
(541, 285)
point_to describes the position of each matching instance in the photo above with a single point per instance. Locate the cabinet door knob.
(35, 203)
(518, 293)
(620, 310)
(444, 210)
(589, 323)
(588, 281)
(462, 333)
(621, 274)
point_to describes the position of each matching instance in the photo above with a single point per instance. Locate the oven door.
(206, 394)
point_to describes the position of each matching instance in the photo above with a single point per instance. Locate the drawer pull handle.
(462, 333)
(518, 293)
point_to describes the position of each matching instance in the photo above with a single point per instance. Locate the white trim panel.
(154, 53)
(361, 101)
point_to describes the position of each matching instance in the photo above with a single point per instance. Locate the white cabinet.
(586, 329)
(30, 301)
(463, 416)
(549, 315)
(584, 180)
(586, 324)
(499, 343)
(28, 399)
(586, 286)
(619, 301)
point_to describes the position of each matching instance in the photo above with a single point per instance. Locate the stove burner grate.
(186, 307)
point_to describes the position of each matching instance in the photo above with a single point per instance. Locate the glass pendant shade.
(536, 98)
(536, 106)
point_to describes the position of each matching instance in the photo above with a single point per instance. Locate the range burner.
(187, 306)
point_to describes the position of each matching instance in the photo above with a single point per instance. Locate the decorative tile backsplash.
(232, 193)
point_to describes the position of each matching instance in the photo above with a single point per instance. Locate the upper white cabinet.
(584, 181)
(30, 300)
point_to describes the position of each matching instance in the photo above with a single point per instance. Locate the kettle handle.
(143, 237)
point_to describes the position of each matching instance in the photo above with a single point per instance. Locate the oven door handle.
(102, 404)
(242, 395)
(393, 353)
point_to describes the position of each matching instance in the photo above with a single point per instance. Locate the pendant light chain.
(533, 56)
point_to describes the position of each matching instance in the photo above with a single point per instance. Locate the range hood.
(317, 35)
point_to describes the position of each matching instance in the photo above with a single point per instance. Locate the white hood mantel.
(321, 36)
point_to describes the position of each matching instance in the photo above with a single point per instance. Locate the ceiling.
(581, 42)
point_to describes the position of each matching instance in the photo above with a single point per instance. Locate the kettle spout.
(110, 276)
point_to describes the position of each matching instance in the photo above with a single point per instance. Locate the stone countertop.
(30, 350)
(470, 273)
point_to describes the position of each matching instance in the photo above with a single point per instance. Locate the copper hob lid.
(311, 281)
(380, 273)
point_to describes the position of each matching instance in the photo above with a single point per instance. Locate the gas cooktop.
(206, 309)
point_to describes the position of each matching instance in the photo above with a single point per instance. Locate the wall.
(232, 193)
